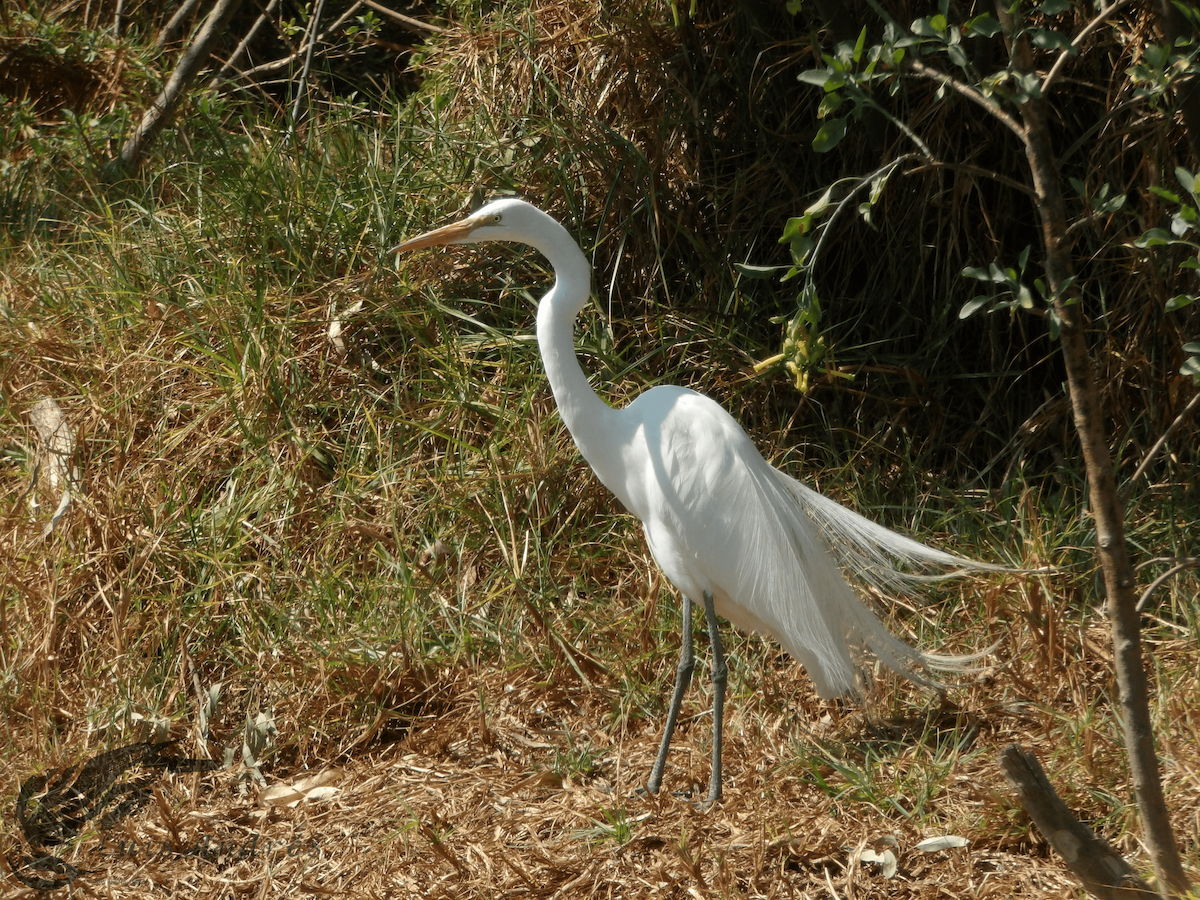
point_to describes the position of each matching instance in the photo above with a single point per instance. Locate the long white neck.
(587, 417)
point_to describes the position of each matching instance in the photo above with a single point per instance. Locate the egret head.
(506, 219)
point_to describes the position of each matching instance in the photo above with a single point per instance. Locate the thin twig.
(976, 170)
(863, 182)
(1183, 416)
(1182, 566)
(908, 132)
(276, 65)
(236, 57)
(406, 21)
(1159, 560)
(302, 86)
(971, 94)
(1079, 39)
(185, 9)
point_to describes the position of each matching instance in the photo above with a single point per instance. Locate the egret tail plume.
(887, 560)
(873, 552)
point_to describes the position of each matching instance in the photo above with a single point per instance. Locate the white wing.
(719, 518)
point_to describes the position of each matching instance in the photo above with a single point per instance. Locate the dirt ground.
(507, 788)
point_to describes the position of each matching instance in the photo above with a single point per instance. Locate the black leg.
(683, 674)
(720, 675)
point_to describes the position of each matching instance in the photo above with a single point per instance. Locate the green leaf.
(973, 305)
(1193, 347)
(924, 28)
(1179, 301)
(758, 273)
(985, 25)
(957, 55)
(1029, 86)
(829, 135)
(1189, 12)
(800, 250)
(796, 226)
(939, 23)
(794, 6)
(858, 47)
(1186, 178)
(818, 208)
(830, 104)
(1049, 39)
(1055, 7)
(1169, 196)
(814, 76)
(1155, 237)
(977, 273)
(1157, 56)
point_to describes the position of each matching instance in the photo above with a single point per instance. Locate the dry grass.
(478, 779)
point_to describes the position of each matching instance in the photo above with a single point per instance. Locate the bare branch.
(236, 57)
(971, 94)
(406, 21)
(977, 170)
(1182, 566)
(302, 85)
(1183, 416)
(1079, 39)
(185, 9)
(1112, 548)
(282, 63)
(161, 108)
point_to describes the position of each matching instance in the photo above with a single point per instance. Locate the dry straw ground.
(458, 791)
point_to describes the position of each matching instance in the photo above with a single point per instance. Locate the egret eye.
(496, 219)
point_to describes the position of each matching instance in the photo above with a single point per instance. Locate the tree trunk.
(1104, 499)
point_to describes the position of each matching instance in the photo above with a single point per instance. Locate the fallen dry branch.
(160, 110)
(1103, 872)
(279, 65)
(406, 21)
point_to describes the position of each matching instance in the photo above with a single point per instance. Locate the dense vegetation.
(326, 510)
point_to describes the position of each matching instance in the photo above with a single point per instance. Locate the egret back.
(719, 518)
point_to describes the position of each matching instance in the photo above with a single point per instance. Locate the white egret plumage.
(751, 542)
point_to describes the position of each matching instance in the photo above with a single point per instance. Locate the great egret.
(754, 544)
